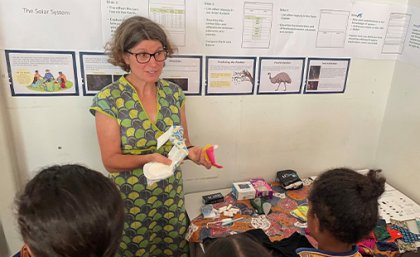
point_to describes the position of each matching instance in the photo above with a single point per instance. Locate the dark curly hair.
(70, 210)
(346, 202)
(131, 32)
(239, 245)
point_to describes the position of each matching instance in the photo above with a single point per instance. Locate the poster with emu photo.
(280, 75)
(41, 73)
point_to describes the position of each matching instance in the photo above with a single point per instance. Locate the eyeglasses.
(159, 56)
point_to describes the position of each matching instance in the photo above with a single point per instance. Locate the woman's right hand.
(157, 157)
(197, 155)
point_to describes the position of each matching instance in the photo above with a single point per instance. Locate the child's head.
(344, 204)
(70, 211)
(240, 245)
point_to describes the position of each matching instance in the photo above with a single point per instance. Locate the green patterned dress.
(156, 222)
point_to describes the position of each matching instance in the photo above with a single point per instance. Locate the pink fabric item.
(211, 157)
(367, 245)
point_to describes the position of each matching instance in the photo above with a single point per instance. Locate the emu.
(281, 77)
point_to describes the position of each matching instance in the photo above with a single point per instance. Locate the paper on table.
(395, 205)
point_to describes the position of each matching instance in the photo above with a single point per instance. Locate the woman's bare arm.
(108, 132)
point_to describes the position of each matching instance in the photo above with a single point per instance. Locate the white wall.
(399, 149)
(9, 183)
(398, 152)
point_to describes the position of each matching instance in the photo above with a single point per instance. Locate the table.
(281, 223)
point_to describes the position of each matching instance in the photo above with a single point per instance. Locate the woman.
(130, 115)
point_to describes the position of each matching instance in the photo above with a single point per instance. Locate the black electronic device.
(213, 198)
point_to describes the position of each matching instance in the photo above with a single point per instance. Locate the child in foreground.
(343, 209)
(72, 211)
(239, 245)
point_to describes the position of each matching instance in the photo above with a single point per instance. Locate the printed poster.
(39, 73)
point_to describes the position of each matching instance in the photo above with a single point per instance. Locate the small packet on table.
(262, 188)
(213, 198)
(243, 190)
(300, 213)
(289, 179)
(208, 211)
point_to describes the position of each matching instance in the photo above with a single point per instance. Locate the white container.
(243, 190)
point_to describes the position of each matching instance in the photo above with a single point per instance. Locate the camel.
(281, 77)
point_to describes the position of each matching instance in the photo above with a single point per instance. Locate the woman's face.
(145, 72)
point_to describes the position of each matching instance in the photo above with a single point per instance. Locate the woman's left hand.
(197, 155)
